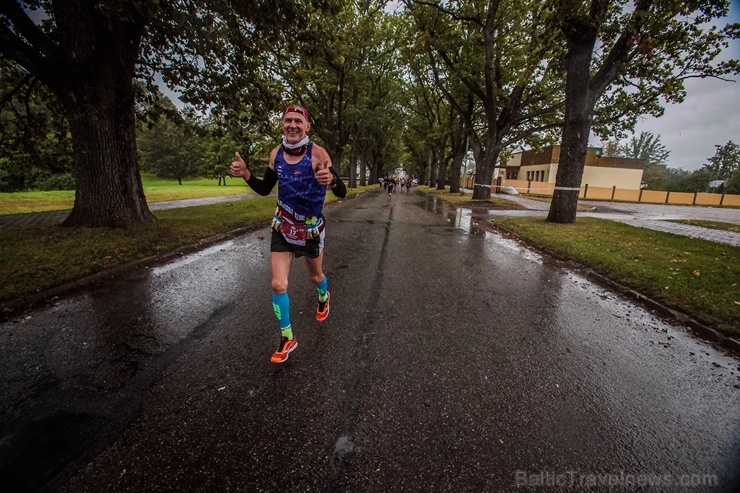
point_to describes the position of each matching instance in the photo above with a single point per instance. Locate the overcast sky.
(709, 116)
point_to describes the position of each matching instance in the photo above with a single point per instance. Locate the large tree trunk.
(484, 173)
(352, 166)
(109, 191)
(96, 88)
(428, 167)
(579, 104)
(373, 167)
(441, 166)
(336, 156)
(363, 173)
(459, 148)
(457, 160)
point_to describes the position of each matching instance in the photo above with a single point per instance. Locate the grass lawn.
(155, 189)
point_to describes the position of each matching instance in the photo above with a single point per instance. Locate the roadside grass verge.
(36, 259)
(24, 202)
(694, 276)
(155, 189)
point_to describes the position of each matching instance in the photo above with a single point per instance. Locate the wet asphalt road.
(453, 360)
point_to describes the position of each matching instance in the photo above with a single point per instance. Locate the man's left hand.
(324, 176)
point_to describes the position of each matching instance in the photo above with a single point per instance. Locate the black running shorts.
(312, 248)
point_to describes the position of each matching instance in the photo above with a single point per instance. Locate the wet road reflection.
(453, 359)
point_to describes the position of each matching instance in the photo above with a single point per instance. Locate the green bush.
(61, 181)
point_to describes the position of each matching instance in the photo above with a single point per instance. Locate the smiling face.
(295, 127)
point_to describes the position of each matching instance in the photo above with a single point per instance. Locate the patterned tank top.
(299, 193)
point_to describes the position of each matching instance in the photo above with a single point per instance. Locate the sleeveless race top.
(299, 193)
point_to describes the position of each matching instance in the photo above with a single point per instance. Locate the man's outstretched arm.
(263, 186)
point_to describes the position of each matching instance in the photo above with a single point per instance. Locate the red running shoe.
(322, 310)
(286, 346)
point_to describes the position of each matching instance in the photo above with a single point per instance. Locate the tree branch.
(620, 51)
(456, 16)
(25, 27)
(21, 53)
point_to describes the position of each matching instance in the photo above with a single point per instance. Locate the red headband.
(297, 109)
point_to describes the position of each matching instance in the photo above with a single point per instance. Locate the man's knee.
(279, 285)
(316, 277)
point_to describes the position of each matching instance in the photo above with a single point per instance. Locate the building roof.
(551, 155)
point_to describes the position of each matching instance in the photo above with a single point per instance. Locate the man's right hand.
(239, 167)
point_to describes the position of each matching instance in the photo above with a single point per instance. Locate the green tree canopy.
(88, 54)
(497, 65)
(622, 60)
(35, 145)
(646, 146)
(725, 162)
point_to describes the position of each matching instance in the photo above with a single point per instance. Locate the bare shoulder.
(320, 155)
(273, 153)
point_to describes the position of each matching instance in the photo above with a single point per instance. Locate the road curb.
(702, 331)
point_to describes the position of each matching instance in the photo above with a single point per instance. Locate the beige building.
(600, 171)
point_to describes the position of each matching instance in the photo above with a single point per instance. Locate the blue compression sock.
(281, 306)
(321, 288)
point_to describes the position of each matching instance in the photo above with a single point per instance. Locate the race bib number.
(293, 231)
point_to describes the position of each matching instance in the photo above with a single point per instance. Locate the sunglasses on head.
(297, 109)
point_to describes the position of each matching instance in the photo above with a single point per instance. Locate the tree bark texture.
(441, 166)
(99, 104)
(459, 148)
(582, 91)
(484, 172)
(109, 190)
(363, 173)
(94, 80)
(579, 104)
(352, 166)
(426, 171)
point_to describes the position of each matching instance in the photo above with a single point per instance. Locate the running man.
(303, 171)
(391, 185)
